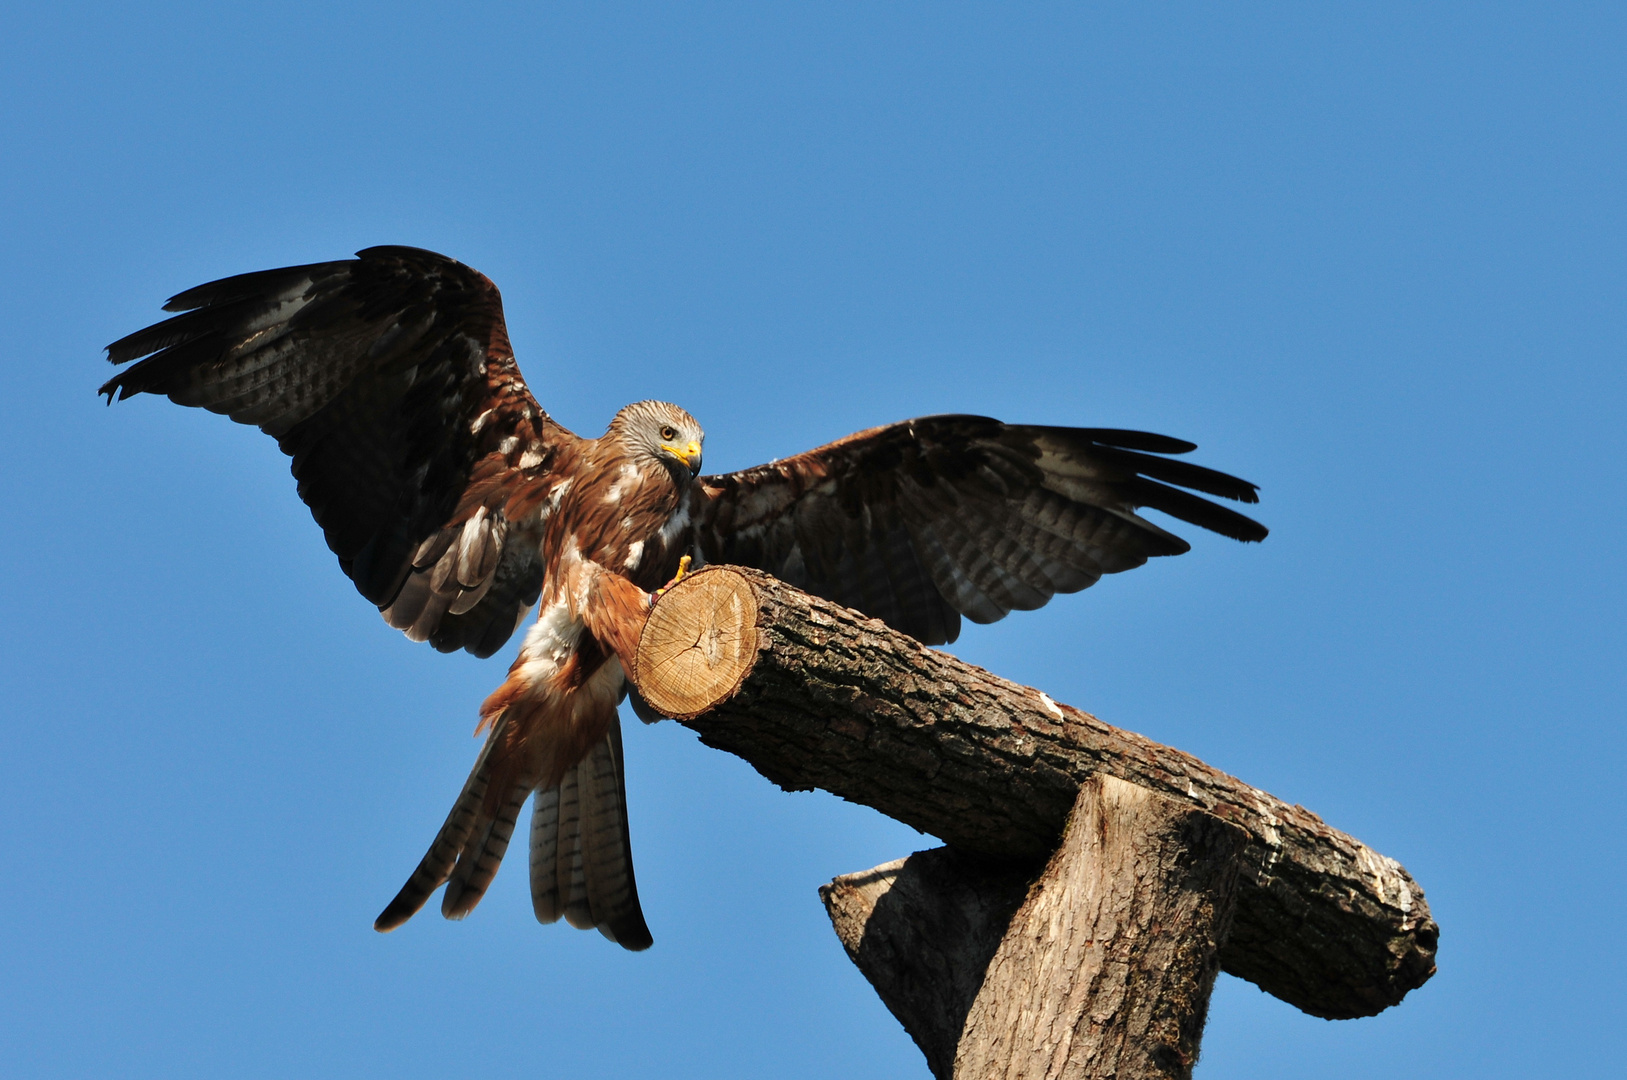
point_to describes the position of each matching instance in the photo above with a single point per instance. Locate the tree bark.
(1104, 971)
(815, 695)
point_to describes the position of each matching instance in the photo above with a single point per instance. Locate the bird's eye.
(668, 433)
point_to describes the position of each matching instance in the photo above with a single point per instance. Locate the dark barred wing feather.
(921, 522)
(389, 380)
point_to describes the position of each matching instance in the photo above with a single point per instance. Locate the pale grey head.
(661, 431)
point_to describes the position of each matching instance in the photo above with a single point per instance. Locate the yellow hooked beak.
(689, 455)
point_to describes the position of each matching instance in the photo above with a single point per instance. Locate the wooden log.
(1105, 969)
(815, 695)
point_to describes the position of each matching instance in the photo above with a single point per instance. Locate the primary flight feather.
(455, 504)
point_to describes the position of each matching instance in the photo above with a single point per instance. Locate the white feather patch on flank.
(550, 641)
(625, 476)
(480, 421)
(530, 459)
(558, 493)
(634, 554)
(508, 445)
(559, 627)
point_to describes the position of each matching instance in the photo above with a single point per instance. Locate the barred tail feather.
(437, 864)
(581, 853)
(558, 887)
(482, 854)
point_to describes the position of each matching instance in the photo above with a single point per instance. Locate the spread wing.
(921, 522)
(389, 380)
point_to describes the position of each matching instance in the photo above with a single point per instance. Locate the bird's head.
(664, 432)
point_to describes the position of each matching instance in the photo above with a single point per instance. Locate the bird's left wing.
(921, 522)
(389, 380)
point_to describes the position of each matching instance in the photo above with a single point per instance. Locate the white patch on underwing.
(634, 554)
(480, 421)
(477, 354)
(508, 445)
(530, 459)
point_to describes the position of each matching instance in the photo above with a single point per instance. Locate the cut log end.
(699, 643)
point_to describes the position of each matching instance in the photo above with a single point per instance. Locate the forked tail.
(581, 854)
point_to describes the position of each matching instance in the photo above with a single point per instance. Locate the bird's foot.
(683, 572)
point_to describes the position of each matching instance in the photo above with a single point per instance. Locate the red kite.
(455, 503)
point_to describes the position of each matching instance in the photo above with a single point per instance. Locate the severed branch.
(815, 695)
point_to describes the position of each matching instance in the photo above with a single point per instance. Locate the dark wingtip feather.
(1194, 510)
(252, 284)
(401, 251)
(1135, 440)
(149, 339)
(1184, 474)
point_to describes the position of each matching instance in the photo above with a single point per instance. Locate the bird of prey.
(455, 503)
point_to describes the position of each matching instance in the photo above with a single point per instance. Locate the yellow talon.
(683, 569)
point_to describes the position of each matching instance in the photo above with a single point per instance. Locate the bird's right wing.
(389, 380)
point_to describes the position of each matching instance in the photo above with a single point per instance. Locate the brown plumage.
(455, 503)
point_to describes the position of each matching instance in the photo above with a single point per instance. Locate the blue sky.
(1372, 260)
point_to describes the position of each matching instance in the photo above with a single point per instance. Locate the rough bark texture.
(1102, 968)
(1106, 969)
(830, 699)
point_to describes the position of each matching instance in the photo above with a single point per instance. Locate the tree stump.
(1106, 969)
(1103, 971)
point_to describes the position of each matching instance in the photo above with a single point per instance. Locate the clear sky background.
(1373, 261)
